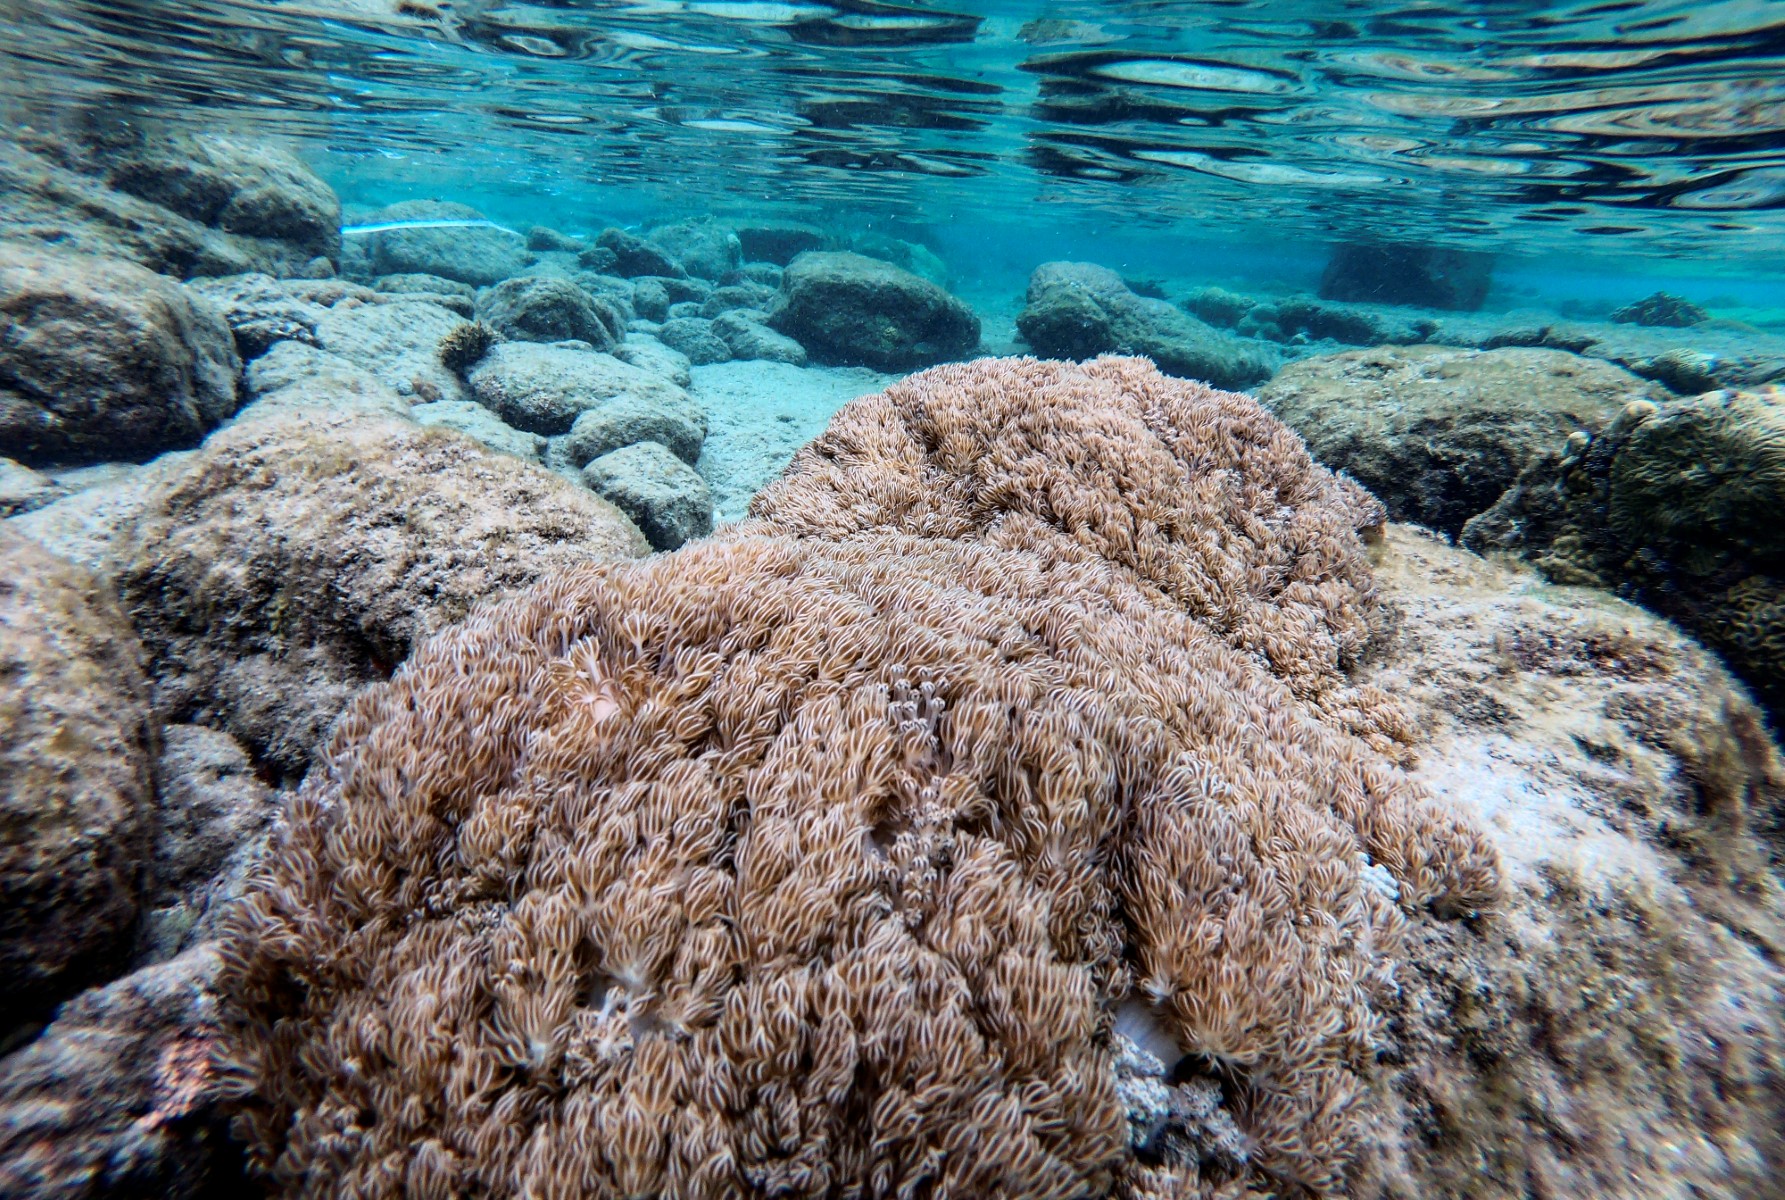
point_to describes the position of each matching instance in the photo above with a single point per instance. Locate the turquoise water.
(1596, 147)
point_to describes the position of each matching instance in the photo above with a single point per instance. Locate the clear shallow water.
(1589, 141)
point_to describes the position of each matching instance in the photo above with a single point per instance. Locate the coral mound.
(817, 858)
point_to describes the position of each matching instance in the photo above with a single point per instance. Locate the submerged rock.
(296, 558)
(1438, 433)
(705, 248)
(679, 423)
(1676, 505)
(648, 354)
(477, 255)
(777, 242)
(119, 1096)
(664, 496)
(263, 311)
(1429, 276)
(748, 337)
(849, 310)
(694, 338)
(299, 375)
(22, 489)
(1627, 993)
(543, 309)
(101, 359)
(477, 422)
(398, 343)
(76, 779)
(178, 204)
(633, 255)
(543, 389)
(1080, 310)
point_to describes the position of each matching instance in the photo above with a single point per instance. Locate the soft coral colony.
(818, 858)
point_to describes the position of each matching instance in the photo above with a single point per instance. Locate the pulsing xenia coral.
(815, 858)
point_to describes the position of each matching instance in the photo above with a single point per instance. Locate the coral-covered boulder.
(849, 310)
(1438, 433)
(76, 779)
(296, 558)
(827, 854)
(102, 359)
(1627, 994)
(1081, 310)
(477, 254)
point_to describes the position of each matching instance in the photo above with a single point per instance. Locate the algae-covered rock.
(849, 310)
(1081, 310)
(119, 1096)
(101, 359)
(1661, 308)
(1439, 433)
(76, 753)
(1387, 273)
(1627, 994)
(705, 248)
(543, 309)
(398, 343)
(1677, 505)
(296, 558)
(179, 204)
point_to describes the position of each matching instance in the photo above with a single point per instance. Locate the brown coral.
(814, 859)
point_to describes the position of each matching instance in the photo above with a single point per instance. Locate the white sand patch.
(759, 413)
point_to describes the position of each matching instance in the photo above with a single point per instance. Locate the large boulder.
(1438, 433)
(543, 389)
(1428, 276)
(849, 310)
(664, 496)
(181, 205)
(476, 254)
(705, 248)
(295, 558)
(480, 424)
(1626, 992)
(536, 308)
(1677, 505)
(76, 779)
(103, 359)
(1081, 310)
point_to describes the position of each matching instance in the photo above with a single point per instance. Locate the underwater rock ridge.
(815, 857)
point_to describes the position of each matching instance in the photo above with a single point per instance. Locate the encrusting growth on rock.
(817, 858)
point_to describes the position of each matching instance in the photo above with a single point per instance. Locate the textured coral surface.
(816, 858)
